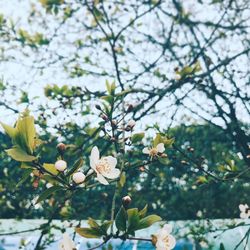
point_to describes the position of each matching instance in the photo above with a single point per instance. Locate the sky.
(24, 75)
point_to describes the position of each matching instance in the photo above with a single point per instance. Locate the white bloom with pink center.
(67, 243)
(165, 241)
(104, 166)
(244, 211)
(154, 151)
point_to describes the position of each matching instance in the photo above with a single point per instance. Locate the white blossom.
(155, 150)
(66, 243)
(61, 165)
(244, 211)
(165, 241)
(104, 166)
(78, 177)
(131, 123)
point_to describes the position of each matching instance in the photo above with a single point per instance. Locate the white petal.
(168, 228)
(160, 245)
(244, 215)
(160, 148)
(145, 151)
(94, 157)
(67, 243)
(101, 179)
(243, 208)
(112, 161)
(113, 174)
(60, 247)
(172, 241)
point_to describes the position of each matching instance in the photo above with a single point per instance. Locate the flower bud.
(126, 200)
(142, 168)
(114, 123)
(61, 165)
(61, 147)
(78, 177)
(104, 117)
(36, 183)
(97, 106)
(130, 108)
(131, 123)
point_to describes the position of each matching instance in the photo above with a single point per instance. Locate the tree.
(164, 59)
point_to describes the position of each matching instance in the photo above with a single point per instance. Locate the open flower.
(154, 151)
(104, 167)
(165, 241)
(244, 211)
(67, 243)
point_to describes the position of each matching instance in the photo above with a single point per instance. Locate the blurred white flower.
(78, 177)
(165, 241)
(154, 151)
(131, 123)
(244, 211)
(67, 243)
(61, 165)
(104, 167)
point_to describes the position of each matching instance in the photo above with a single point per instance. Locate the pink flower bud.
(78, 177)
(61, 165)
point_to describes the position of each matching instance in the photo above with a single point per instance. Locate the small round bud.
(36, 183)
(78, 177)
(142, 168)
(130, 108)
(97, 106)
(114, 123)
(61, 165)
(126, 200)
(37, 173)
(61, 147)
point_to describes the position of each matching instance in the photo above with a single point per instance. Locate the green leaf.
(48, 192)
(93, 224)
(158, 139)
(137, 137)
(148, 221)
(88, 232)
(18, 154)
(108, 87)
(25, 176)
(105, 226)
(143, 212)
(75, 167)
(120, 219)
(162, 139)
(163, 160)
(26, 165)
(26, 135)
(50, 168)
(108, 98)
(10, 131)
(133, 219)
(122, 179)
(112, 88)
